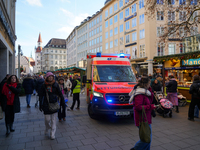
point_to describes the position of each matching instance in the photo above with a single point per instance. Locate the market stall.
(183, 67)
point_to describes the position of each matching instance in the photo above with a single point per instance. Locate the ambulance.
(109, 80)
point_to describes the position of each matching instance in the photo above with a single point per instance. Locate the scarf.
(8, 93)
(49, 85)
(138, 91)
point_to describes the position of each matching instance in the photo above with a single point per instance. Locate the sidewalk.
(79, 132)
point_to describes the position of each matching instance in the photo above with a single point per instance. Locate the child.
(61, 113)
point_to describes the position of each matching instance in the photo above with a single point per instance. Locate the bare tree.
(182, 16)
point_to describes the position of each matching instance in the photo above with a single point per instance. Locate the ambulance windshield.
(113, 74)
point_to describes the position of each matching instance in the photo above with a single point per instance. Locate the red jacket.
(138, 102)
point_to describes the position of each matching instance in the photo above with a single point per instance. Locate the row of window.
(95, 21)
(56, 51)
(95, 31)
(56, 57)
(58, 62)
(127, 11)
(181, 2)
(95, 41)
(172, 15)
(134, 22)
(82, 38)
(182, 31)
(82, 30)
(98, 49)
(82, 46)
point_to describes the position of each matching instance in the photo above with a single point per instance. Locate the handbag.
(144, 129)
(1, 113)
(53, 107)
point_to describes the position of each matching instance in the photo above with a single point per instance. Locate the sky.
(51, 18)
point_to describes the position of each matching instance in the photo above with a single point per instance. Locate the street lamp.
(19, 53)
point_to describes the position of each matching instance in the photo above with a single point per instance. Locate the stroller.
(164, 106)
(182, 101)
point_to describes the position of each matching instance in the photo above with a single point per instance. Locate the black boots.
(177, 109)
(7, 130)
(11, 128)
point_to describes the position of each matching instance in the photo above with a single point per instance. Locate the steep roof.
(39, 38)
(39, 49)
(54, 42)
(32, 61)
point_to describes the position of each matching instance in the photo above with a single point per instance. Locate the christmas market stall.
(183, 66)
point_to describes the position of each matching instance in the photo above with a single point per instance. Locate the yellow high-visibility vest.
(77, 88)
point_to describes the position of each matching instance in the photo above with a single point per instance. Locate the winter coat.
(39, 84)
(194, 90)
(156, 87)
(67, 84)
(172, 86)
(28, 85)
(16, 103)
(53, 97)
(139, 101)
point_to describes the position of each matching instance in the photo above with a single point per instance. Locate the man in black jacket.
(28, 85)
(194, 90)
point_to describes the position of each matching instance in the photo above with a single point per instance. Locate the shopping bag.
(144, 129)
(1, 113)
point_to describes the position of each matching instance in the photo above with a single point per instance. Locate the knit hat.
(49, 74)
(60, 78)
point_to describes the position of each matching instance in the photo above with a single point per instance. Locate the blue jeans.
(28, 99)
(196, 111)
(142, 145)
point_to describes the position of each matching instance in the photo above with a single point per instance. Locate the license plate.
(122, 113)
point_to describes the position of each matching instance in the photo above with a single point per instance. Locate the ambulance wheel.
(91, 113)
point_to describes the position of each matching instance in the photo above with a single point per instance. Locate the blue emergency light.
(98, 54)
(109, 101)
(95, 100)
(121, 55)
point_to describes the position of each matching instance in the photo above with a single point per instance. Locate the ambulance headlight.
(97, 94)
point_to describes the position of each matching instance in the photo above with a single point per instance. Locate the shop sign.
(135, 14)
(191, 62)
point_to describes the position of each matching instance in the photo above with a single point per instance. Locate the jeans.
(196, 111)
(34, 91)
(142, 145)
(28, 99)
(75, 98)
(50, 123)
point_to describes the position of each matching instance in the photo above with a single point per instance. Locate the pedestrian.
(10, 101)
(156, 87)
(35, 80)
(28, 85)
(51, 88)
(194, 90)
(150, 76)
(3, 82)
(39, 83)
(62, 110)
(172, 91)
(72, 80)
(196, 112)
(143, 97)
(76, 88)
(68, 86)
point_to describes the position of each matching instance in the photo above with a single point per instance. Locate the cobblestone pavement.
(79, 132)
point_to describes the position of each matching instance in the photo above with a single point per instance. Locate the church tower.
(38, 50)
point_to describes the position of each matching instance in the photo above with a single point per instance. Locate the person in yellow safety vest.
(76, 88)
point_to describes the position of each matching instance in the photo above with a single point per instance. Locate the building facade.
(53, 55)
(7, 37)
(26, 63)
(71, 44)
(126, 29)
(38, 50)
(95, 33)
(82, 43)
